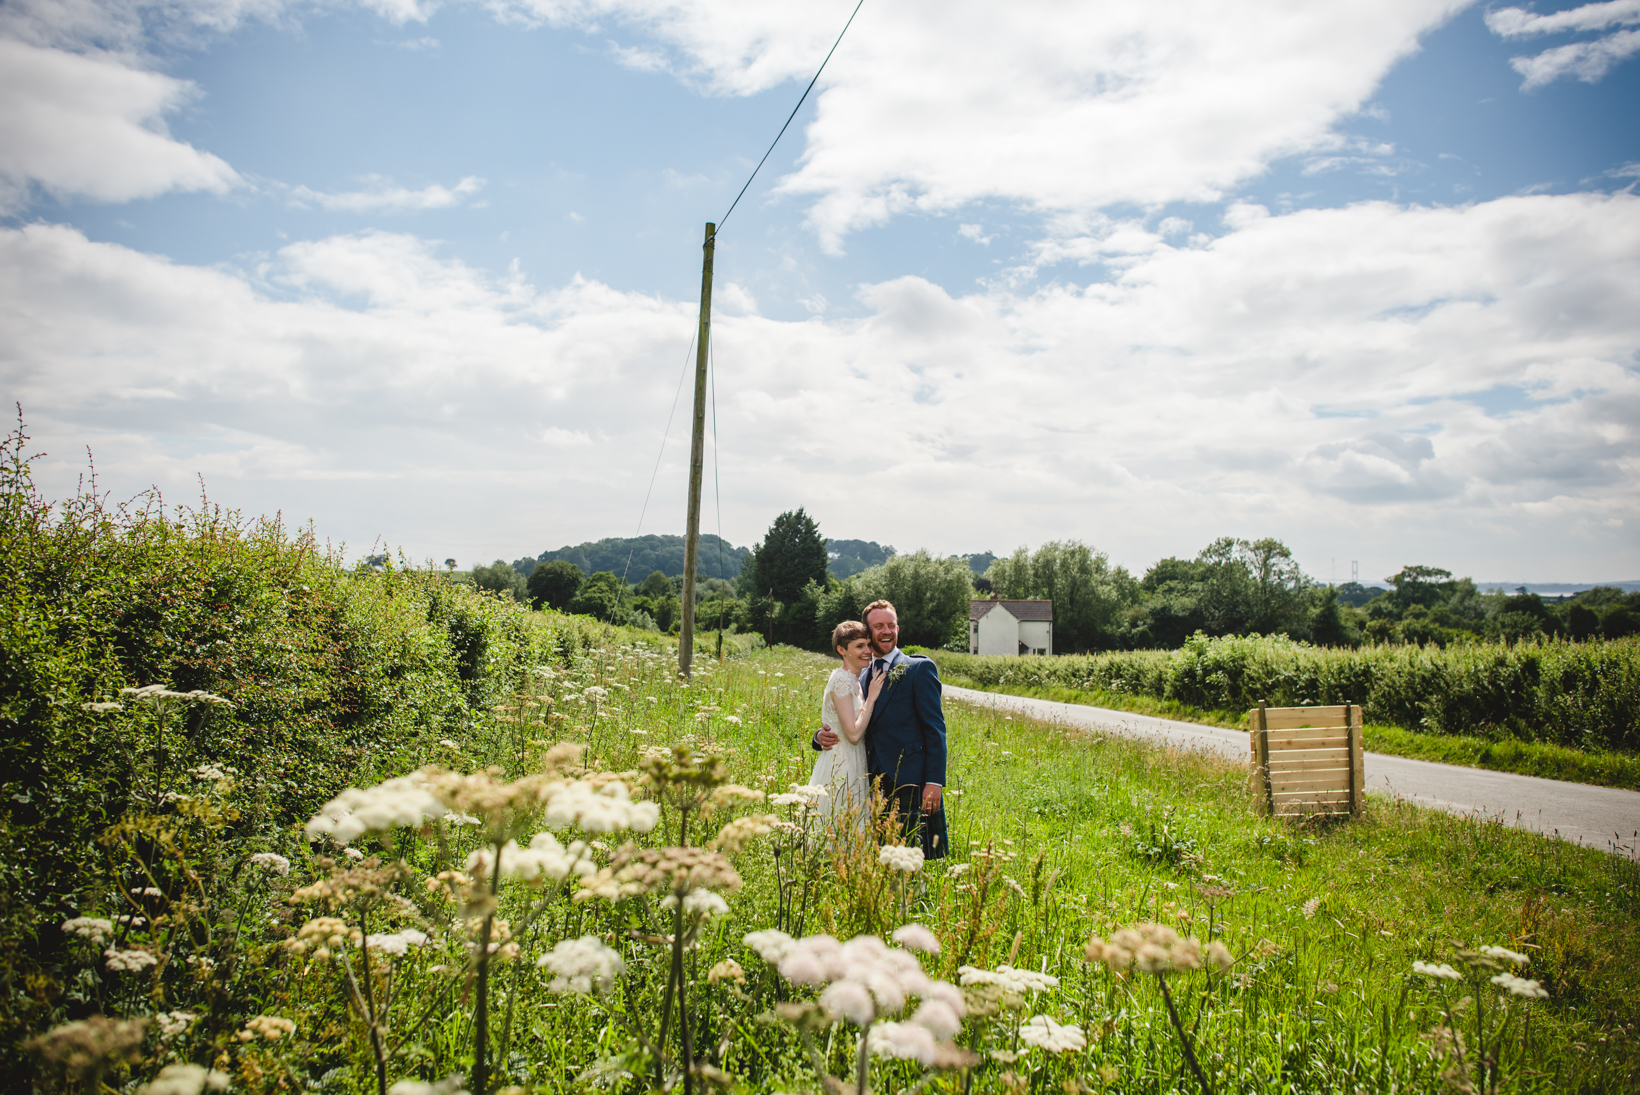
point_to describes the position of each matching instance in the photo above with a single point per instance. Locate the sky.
(1361, 276)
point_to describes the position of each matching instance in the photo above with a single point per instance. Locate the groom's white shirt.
(889, 661)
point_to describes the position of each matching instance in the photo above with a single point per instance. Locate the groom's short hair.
(874, 606)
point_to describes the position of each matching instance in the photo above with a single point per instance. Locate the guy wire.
(664, 436)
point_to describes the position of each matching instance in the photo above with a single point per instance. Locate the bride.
(842, 769)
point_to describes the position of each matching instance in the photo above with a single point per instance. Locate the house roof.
(1020, 610)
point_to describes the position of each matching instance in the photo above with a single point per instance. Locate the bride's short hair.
(847, 631)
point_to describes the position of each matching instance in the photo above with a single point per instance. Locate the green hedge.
(1579, 694)
(336, 677)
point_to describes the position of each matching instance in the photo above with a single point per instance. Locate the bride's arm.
(853, 728)
(870, 703)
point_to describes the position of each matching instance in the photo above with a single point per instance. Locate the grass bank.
(1603, 768)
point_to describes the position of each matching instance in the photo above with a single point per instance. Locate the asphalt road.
(1600, 817)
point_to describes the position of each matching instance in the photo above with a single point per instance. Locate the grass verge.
(1602, 768)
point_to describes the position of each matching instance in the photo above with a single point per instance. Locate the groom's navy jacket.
(905, 739)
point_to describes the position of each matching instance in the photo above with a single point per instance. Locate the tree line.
(788, 589)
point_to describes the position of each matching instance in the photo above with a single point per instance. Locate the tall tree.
(554, 584)
(792, 554)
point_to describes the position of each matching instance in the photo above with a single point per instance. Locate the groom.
(905, 739)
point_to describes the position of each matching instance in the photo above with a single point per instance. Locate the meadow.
(1058, 838)
(275, 825)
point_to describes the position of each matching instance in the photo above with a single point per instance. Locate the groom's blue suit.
(905, 741)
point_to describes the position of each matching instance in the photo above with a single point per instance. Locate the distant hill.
(639, 557)
(849, 557)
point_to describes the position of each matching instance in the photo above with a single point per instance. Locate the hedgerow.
(1582, 694)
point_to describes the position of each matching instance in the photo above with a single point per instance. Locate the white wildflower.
(397, 943)
(770, 944)
(401, 801)
(129, 961)
(1520, 986)
(1013, 981)
(895, 858)
(726, 970)
(173, 1023)
(150, 891)
(732, 718)
(269, 1028)
(213, 772)
(1504, 954)
(1442, 971)
(94, 928)
(545, 860)
(606, 809)
(698, 903)
(581, 966)
(102, 708)
(915, 937)
(448, 744)
(353, 854)
(185, 1080)
(1045, 1034)
(906, 1041)
(278, 864)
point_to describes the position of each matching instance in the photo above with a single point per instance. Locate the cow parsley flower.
(605, 809)
(278, 864)
(1520, 986)
(1504, 954)
(397, 943)
(1152, 948)
(1442, 971)
(94, 928)
(129, 961)
(1045, 1034)
(581, 966)
(895, 858)
(915, 937)
(906, 1041)
(771, 944)
(269, 1028)
(401, 801)
(698, 903)
(173, 1023)
(185, 1080)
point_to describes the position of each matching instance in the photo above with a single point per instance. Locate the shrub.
(1579, 694)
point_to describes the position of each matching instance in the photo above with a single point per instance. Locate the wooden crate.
(1307, 760)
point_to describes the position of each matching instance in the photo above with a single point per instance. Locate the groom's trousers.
(929, 829)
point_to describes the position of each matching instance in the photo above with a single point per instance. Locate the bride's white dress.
(841, 770)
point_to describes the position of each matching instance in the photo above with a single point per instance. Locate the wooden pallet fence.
(1307, 760)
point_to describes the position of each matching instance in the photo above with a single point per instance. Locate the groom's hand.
(824, 738)
(931, 798)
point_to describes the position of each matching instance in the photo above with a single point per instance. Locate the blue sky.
(1360, 278)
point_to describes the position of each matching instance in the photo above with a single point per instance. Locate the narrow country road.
(1600, 817)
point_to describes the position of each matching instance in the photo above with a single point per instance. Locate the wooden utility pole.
(697, 462)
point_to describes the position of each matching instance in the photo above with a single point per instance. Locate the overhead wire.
(792, 115)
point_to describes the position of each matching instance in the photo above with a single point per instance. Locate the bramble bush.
(1581, 694)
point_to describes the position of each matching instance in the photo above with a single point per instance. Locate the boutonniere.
(896, 673)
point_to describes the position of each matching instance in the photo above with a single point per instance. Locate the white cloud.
(1305, 375)
(931, 106)
(1588, 61)
(1520, 23)
(88, 126)
(381, 196)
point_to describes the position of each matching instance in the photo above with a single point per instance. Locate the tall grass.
(1580, 694)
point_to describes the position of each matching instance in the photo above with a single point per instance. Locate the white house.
(1010, 628)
